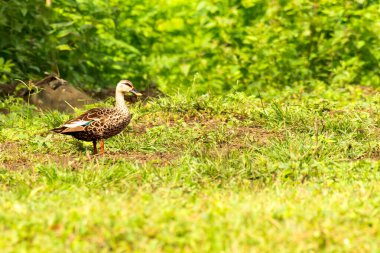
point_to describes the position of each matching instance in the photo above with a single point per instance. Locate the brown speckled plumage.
(101, 123)
(105, 123)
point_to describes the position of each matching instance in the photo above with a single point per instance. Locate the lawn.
(294, 170)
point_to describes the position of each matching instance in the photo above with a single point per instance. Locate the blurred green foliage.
(207, 45)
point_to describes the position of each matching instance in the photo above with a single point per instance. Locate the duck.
(99, 124)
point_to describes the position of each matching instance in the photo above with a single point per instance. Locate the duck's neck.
(120, 103)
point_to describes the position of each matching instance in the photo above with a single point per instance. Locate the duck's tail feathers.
(68, 130)
(58, 130)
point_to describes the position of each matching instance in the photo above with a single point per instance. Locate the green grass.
(289, 171)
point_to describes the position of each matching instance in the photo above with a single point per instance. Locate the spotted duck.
(99, 124)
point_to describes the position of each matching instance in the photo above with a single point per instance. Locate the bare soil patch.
(211, 131)
(156, 158)
(14, 159)
(11, 158)
(367, 90)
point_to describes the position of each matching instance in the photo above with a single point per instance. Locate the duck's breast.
(114, 125)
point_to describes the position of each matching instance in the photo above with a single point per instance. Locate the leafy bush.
(25, 40)
(209, 45)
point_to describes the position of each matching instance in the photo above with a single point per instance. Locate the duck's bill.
(135, 92)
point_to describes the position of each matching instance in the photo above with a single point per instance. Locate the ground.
(289, 171)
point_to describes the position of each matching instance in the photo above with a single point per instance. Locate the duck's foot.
(101, 147)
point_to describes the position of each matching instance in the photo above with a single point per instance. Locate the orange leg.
(101, 147)
(95, 150)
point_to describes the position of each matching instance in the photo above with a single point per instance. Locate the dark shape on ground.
(54, 93)
(50, 93)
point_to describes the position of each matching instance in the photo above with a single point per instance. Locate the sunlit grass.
(276, 173)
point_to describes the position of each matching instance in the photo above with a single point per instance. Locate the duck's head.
(126, 86)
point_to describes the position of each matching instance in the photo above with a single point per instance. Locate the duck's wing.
(80, 123)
